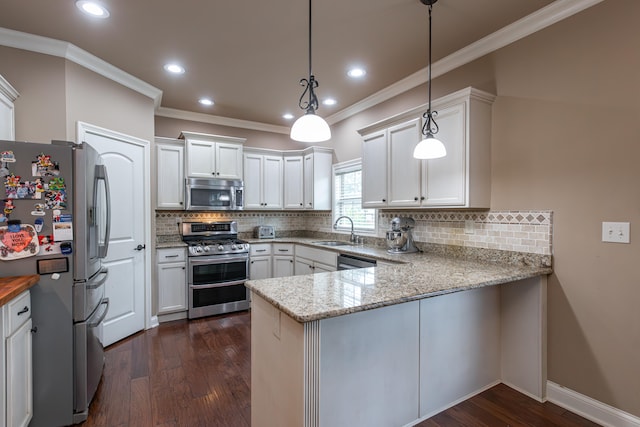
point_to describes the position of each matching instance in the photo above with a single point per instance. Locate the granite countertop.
(172, 244)
(415, 276)
(11, 287)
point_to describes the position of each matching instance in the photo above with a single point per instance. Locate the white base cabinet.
(283, 262)
(392, 178)
(260, 261)
(172, 280)
(16, 358)
(311, 260)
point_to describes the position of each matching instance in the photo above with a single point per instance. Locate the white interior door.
(127, 162)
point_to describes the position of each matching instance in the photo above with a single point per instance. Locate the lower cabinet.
(311, 260)
(172, 280)
(17, 355)
(260, 261)
(282, 260)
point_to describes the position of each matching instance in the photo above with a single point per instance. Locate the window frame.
(344, 227)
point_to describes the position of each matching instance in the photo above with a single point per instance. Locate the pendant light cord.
(311, 83)
(430, 126)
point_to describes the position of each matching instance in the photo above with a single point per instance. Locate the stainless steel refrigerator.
(56, 196)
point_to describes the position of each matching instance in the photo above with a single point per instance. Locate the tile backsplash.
(514, 231)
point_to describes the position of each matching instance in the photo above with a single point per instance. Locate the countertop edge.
(11, 287)
(344, 311)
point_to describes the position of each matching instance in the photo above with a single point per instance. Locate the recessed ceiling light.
(356, 72)
(174, 68)
(92, 8)
(206, 101)
(287, 116)
(329, 101)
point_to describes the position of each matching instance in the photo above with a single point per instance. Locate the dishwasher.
(350, 262)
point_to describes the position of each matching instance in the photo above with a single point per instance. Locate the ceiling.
(249, 56)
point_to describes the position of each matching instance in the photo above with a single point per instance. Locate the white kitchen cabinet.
(172, 280)
(260, 261)
(7, 115)
(462, 179)
(374, 168)
(293, 181)
(404, 170)
(17, 364)
(317, 178)
(263, 180)
(169, 173)
(311, 260)
(213, 156)
(283, 260)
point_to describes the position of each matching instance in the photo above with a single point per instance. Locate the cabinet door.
(323, 268)
(172, 287)
(374, 170)
(293, 183)
(302, 266)
(200, 159)
(404, 170)
(19, 377)
(252, 181)
(228, 160)
(308, 181)
(444, 179)
(170, 179)
(260, 268)
(282, 266)
(272, 186)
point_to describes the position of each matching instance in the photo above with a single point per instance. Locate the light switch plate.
(615, 232)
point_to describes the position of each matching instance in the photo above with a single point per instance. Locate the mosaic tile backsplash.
(515, 231)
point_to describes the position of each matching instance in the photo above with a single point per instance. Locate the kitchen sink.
(332, 243)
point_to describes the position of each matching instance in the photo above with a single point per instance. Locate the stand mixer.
(400, 237)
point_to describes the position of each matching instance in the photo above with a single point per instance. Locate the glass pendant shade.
(429, 148)
(310, 128)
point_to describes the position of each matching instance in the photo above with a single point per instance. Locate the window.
(347, 194)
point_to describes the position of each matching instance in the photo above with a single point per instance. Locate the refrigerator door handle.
(104, 272)
(105, 301)
(101, 174)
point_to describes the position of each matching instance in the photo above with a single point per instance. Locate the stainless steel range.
(218, 266)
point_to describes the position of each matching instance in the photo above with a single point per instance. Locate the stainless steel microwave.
(214, 194)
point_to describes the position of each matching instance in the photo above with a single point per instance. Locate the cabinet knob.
(384, 200)
(415, 198)
(422, 198)
(291, 261)
(300, 204)
(180, 202)
(34, 329)
(23, 311)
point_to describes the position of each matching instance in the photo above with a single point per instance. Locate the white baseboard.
(525, 392)
(153, 322)
(589, 408)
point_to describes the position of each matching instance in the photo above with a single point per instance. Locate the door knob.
(139, 247)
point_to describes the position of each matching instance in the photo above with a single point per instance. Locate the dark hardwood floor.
(198, 373)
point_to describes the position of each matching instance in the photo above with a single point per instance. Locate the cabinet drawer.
(260, 249)
(171, 255)
(283, 248)
(17, 312)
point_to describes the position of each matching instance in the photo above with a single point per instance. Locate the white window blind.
(348, 198)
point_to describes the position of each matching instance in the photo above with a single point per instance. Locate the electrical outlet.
(615, 232)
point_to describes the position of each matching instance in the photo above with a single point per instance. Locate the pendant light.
(430, 147)
(310, 127)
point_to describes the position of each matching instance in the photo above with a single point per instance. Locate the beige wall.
(40, 81)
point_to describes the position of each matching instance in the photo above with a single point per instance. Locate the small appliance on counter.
(400, 237)
(265, 232)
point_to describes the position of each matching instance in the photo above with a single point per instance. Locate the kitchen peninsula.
(394, 344)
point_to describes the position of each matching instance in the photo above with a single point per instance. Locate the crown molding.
(172, 113)
(70, 52)
(536, 21)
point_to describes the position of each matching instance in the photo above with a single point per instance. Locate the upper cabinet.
(293, 180)
(317, 178)
(213, 156)
(170, 173)
(263, 179)
(7, 117)
(392, 178)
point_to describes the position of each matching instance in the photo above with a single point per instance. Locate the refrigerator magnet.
(62, 231)
(38, 210)
(38, 223)
(6, 157)
(44, 166)
(8, 207)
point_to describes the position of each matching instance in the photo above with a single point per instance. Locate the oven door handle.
(221, 259)
(218, 285)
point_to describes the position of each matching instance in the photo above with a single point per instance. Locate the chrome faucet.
(335, 226)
